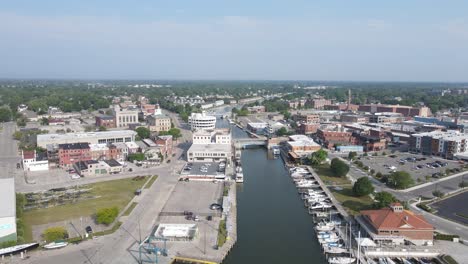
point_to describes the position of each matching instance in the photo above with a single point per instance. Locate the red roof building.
(395, 225)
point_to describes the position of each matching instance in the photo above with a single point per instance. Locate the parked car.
(137, 191)
(130, 169)
(75, 176)
(89, 230)
(209, 218)
(18, 165)
(215, 206)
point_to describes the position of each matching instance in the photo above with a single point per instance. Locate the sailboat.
(56, 244)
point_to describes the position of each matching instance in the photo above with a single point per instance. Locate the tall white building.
(7, 210)
(202, 121)
(125, 117)
(210, 145)
(217, 136)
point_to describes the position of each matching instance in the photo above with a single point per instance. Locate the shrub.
(379, 175)
(107, 215)
(55, 233)
(439, 236)
(383, 199)
(400, 180)
(372, 171)
(438, 194)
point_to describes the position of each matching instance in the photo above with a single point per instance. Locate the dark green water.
(272, 223)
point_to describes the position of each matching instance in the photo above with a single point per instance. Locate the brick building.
(69, 154)
(165, 144)
(319, 103)
(402, 109)
(306, 118)
(329, 138)
(105, 121)
(307, 129)
(396, 226)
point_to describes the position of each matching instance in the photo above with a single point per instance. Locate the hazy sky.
(397, 40)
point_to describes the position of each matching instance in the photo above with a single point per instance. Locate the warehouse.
(7, 210)
(89, 137)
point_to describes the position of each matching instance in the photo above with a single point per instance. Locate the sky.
(355, 40)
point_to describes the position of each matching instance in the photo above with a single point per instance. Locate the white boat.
(308, 184)
(336, 250)
(239, 175)
(341, 260)
(276, 151)
(325, 234)
(324, 227)
(331, 241)
(18, 248)
(389, 260)
(333, 244)
(371, 261)
(56, 244)
(320, 205)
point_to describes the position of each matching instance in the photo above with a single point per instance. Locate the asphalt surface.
(9, 155)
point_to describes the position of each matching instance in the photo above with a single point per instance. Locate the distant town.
(166, 172)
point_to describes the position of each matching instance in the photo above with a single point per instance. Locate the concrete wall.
(7, 229)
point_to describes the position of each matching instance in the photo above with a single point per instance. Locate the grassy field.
(327, 177)
(350, 202)
(222, 233)
(110, 193)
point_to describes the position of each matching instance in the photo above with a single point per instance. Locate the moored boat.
(56, 244)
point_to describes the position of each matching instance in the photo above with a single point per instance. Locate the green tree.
(136, 157)
(55, 233)
(318, 157)
(5, 114)
(338, 167)
(107, 215)
(44, 121)
(281, 132)
(352, 155)
(363, 186)
(400, 180)
(383, 199)
(143, 132)
(102, 128)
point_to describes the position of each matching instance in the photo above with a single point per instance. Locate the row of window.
(204, 154)
(127, 119)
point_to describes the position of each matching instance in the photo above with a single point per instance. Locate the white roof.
(132, 145)
(8, 197)
(175, 230)
(301, 140)
(98, 147)
(81, 135)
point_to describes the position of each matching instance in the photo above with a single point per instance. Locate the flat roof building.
(89, 137)
(201, 121)
(7, 210)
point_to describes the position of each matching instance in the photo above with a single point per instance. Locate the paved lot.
(453, 208)
(194, 196)
(386, 164)
(212, 169)
(9, 155)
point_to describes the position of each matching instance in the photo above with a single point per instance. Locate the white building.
(202, 121)
(7, 210)
(210, 145)
(89, 137)
(33, 162)
(125, 117)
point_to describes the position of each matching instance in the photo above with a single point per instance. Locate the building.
(445, 144)
(306, 118)
(257, 127)
(386, 118)
(422, 111)
(319, 103)
(105, 152)
(256, 109)
(159, 123)
(89, 137)
(89, 168)
(7, 210)
(165, 144)
(125, 116)
(307, 129)
(150, 109)
(276, 117)
(105, 121)
(33, 161)
(353, 118)
(56, 122)
(396, 226)
(201, 121)
(210, 146)
(71, 153)
(329, 138)
(349, 148)
(301, 146)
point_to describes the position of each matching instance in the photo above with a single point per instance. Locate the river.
(273, 224)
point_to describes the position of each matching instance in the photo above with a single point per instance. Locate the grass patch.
(351, 203)
(130, 209)
(151, 181)
(225, 190)
(109, 231)
(327, 176)
(116, 193)
(222, 233)
(448, 259)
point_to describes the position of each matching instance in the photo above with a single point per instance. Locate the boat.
(370, 261)
(56, 244)
(324, 227)
(239, 175)
(336, 250)
(276, 151)
(389, 260)
(330, 242)
(424, 261)
(382, 261)
(405, 261)
(320, 205)
(18, 248)
(341, 260)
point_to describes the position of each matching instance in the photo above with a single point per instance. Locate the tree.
(363, 186)
(5, 114)
(102, 128)
(44, 121)
(107, 215)
(379, 175)
(352, 155)
(339, 168)
(463, 184)
(136, 156)
(383, 199)
(174, 132)
(318, 157)
(55, 233)
(282, 132)
(143, 132)
(400, 180)
(438, 194)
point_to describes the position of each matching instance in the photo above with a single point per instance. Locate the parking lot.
(422, 168)
(203, 169)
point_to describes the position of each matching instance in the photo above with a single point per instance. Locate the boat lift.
(152, 245)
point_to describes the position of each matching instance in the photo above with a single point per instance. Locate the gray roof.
(8, 197)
